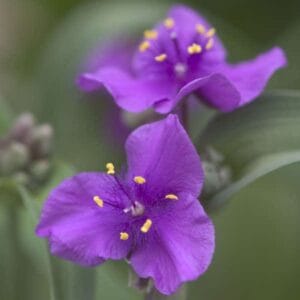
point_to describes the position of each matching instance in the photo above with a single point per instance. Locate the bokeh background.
(42, 46)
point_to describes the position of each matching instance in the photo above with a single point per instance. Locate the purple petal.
(234, 86)
(131, 94)
(77, 228)
(186, 19)
(251, 77)
(178, 248)
(220, 92)
(163, 153)
(117, 52)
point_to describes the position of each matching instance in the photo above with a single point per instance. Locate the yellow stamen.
(139, 180)
(98, 201)
(211, 32)
(161, 57)
(169, 23)
(200, 28)
(124, 236)
(110, 169)
(171, 197)
(150, 34)
(144, 46)
(194, 48)
(146, 227)
(209, 44)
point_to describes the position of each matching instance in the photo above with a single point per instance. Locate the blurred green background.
(43, 43)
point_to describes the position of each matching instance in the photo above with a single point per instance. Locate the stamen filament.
(171, 197)
(146, 227)
(139, 180)
(98, 201)
(150, 34)
(110, 169)
(161, 57)
(144, 46)
(124, 236)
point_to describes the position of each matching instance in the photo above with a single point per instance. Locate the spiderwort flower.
(183, 55)
(150, 215)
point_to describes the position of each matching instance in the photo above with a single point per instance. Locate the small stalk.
(154, 294)
(185, 114)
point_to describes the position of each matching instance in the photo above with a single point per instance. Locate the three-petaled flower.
(150, 215)
(180, 56)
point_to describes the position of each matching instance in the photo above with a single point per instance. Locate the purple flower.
(180, 56)
(150, 215)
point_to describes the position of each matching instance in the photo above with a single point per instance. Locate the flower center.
(180, 69)
(137, 209)
(164, 51)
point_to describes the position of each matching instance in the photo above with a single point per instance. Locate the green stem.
(154, 294)
(185, 114)
(30, 205)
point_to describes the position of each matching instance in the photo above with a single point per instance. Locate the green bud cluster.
(25, 151)
(217, 174)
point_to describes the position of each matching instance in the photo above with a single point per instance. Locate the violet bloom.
(150, 215)
(180, 56)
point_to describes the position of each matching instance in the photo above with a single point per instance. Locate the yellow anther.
(139, 180)
(200, 28)
(110, 169)
(210, 33)
(161, 57)
(146, 227)
(150, 34)
(209, 44)
(98, 201)
(124, 236)
(194, 48)
(169, 23)
(144, 46)
(171, 197)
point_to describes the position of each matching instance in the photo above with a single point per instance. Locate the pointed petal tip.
(281, 56)
(41, 231)
(86, 83)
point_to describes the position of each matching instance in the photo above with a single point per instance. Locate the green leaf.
(255, 140)
(23, 249)
(31, 205)
(254, 171)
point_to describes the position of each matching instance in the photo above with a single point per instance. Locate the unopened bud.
(15, 156)
(21, 130)
(217, 174)
(42, 140)
(40, 169)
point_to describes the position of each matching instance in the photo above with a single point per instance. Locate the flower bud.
(21, 130)
(25, 152)
(42, 139)
(15, 156)
(40, 169)
(217, 174)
